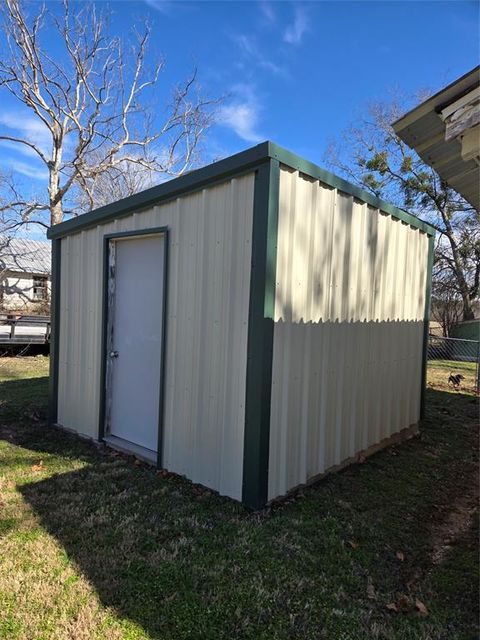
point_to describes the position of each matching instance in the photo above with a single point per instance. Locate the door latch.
(113, 354)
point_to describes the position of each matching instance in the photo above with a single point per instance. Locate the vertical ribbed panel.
(206, 351)
(348, 330)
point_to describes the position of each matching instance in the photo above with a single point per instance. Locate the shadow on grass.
(19, 398)
(24, 350)
(186, 565)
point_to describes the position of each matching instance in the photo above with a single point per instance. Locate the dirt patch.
(457, 523)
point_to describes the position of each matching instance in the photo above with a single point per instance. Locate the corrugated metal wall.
(348, 330)
(208, 300)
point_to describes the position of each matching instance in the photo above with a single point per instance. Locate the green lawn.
(95, 546)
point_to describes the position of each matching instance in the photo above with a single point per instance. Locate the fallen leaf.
(353, 544)
(392, 607)
(361, 459)
(417, 575)
(371, 593)
(170, 598)
(400, 555)
(403, 603)
(421, 608)
(411, 585)
(38, 467)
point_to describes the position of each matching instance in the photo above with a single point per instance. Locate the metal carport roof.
(423, 129)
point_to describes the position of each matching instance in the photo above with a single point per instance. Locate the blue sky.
(295, 73)
(298, 72)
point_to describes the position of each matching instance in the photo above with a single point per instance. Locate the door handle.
(113, 354)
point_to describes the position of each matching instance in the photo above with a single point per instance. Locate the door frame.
(107, 238)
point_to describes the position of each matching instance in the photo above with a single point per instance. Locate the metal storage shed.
(251, 325)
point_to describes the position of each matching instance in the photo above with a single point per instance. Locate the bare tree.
(91, 102)
(116, 182)
(17, 209)
(373, 156)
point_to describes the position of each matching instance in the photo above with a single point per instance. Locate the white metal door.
(134, 339)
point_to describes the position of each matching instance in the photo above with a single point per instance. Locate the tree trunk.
(458, 269)
(56, 213)
(464, 292)
(56, 209)
(468, 311)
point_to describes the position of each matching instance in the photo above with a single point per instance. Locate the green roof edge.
(222, 170)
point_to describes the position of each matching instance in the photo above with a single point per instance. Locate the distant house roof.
(445, 132)
(25, 256)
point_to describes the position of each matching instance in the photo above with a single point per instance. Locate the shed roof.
(424, 129)
(219, 171)
(23, 255)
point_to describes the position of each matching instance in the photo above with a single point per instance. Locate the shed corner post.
(54, 331)
(426, 321)
(260, 334)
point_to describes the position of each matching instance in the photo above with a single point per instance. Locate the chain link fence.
(455, 362)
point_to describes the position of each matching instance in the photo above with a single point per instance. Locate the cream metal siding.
(347, 356)
(207, 317)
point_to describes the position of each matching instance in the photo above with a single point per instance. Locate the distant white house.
(25, 269)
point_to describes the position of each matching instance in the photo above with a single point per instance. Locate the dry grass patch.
(440, 370)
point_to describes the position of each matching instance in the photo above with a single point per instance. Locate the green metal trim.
(308, 168)
(54, 331)
(103, 348)
(163, 356)
(426, 320)
(260, 335)
(133, 234)
(101, 413)
(187, 183)
(216, 172)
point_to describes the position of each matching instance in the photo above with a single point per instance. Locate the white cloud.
(242, 118)
(242, 114)
(294, 32)
(163, 6)
(268, 12)
(23, 149)
(246, 44)
(29, 170)
(20, 124)
(28, 127)
(249, 47)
